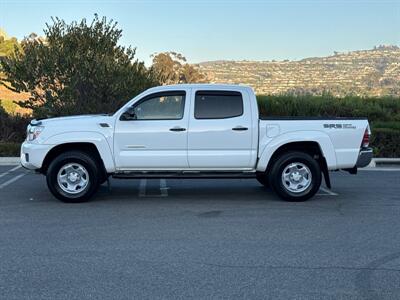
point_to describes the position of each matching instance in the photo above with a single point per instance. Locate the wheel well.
(88, 148)
(311, 148)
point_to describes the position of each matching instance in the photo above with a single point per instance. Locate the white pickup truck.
(194, 131)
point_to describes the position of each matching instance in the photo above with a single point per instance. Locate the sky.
(224, 29)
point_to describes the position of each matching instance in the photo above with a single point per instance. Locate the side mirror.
(129, 114)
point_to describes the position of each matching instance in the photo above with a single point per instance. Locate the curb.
(383, 162)
(376, 162)
(10, 161)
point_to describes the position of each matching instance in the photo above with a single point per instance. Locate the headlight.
(34, 132)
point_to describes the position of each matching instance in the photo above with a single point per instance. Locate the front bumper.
(32, 155)
(364, 157)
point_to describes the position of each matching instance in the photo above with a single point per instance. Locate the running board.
(183, 174)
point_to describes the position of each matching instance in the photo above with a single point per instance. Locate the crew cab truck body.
(193, 131)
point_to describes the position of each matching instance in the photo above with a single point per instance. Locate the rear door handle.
(239, 128)
(177, 129)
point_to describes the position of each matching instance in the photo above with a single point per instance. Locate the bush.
(390, 125)
(13, 127)
(9, 149)
(375, 109)
(386, 142)
(12, 133)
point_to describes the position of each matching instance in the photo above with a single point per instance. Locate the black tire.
(262, 178)
(278, 167)
(71, 157)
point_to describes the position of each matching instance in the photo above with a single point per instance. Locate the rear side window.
(217, 105)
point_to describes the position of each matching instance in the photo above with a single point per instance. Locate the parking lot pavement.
(173, 239)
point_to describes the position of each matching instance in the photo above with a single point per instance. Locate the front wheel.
(295, 176)
(73, 177)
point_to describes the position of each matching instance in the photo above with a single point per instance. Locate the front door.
(154, 134)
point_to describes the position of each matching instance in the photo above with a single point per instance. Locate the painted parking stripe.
(10, 171)
(143, 191)
(142, 188)
(380, 169)
(327, 192)
(163, 188)
(3, 185)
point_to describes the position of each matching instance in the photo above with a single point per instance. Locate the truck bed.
(339, 138)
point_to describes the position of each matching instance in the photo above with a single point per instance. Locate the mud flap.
(324, 168)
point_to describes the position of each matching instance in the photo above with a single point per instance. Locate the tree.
(171, 68)
(7, 46)
(77, 68)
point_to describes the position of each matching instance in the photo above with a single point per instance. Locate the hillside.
(8, 97)
(373, 72)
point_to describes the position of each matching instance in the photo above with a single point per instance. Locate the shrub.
(386, 142)
(375, 109)
(13, 127)
(9, 149)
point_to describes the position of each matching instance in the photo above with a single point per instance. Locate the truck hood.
(73, 120)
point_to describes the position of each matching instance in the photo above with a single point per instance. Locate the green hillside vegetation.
(9, 106)
(7, 46)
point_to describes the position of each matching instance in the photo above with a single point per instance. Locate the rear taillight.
(365, 140)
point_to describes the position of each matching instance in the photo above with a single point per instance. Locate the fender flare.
(91, 137)
(322, 139)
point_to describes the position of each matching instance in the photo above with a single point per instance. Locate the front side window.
(218, 105)
(161, 107)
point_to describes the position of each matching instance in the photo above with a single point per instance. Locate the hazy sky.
(222, 29)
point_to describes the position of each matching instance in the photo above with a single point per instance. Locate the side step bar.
(183, 174)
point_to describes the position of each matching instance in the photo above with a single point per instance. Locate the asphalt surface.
(180, 239)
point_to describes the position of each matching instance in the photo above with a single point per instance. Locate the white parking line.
(380, 169)
(10, 171)
(163, 188)
(142, 188)
(328, 192)
(11, 180)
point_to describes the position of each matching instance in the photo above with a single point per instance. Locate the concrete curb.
(376, 162)
(10, 161)
(383, 162)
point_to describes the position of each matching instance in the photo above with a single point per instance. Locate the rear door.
(220, 131)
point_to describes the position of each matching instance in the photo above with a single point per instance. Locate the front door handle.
(177, 129)
(239, 128)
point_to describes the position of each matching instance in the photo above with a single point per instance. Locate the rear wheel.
(73, 177)
(295, 176)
